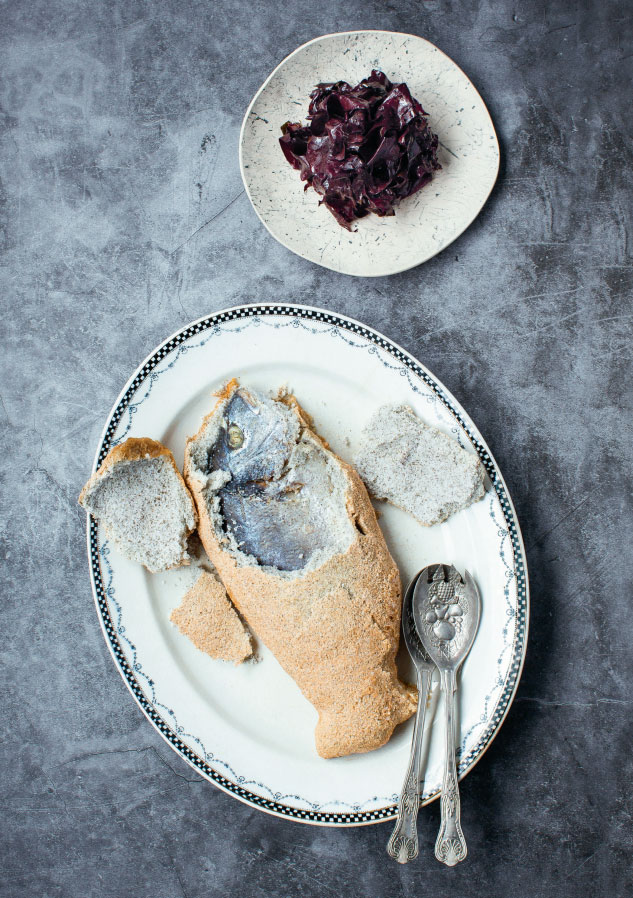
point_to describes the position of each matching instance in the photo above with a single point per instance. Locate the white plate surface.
(248, 728)
(425, 223)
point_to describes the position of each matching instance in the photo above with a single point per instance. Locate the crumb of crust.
(140, 498)
(208, 618)
(417, 467)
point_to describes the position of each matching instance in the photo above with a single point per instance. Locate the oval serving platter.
(425, 223)
(248, 729)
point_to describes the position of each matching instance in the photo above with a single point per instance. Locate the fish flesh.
(272, 505)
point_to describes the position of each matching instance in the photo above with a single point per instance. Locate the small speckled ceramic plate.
(425, 223)
(248, 729)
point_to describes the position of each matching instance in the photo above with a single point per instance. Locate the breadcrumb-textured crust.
(209, 620)
(133, 449)
(334, 630)
(137, 449)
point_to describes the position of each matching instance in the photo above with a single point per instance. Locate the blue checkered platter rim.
(248, 729)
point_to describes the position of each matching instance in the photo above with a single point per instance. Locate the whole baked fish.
(292, 532)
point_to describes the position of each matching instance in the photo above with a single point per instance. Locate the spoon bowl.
(446, 612)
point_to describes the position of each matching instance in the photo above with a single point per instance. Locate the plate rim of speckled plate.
(413, 262)
(347, 328)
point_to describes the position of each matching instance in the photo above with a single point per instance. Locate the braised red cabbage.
(364, 148)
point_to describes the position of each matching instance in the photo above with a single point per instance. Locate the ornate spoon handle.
(403, 844)
(450, 847)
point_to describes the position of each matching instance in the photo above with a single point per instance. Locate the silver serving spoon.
(403, 844)
(446, 612)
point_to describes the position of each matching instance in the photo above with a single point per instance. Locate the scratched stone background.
(122, 218)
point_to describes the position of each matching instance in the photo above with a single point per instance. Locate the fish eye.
(235, 436)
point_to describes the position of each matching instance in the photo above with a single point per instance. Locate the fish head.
(255, 439)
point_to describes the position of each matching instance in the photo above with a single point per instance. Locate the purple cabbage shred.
(364, 148)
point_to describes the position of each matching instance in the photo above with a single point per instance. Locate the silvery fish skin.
(273, 516)
(267, 440)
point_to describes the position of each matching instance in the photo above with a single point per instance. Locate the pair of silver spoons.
(440, 616)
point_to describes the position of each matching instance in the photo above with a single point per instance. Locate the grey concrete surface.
(123, 217)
